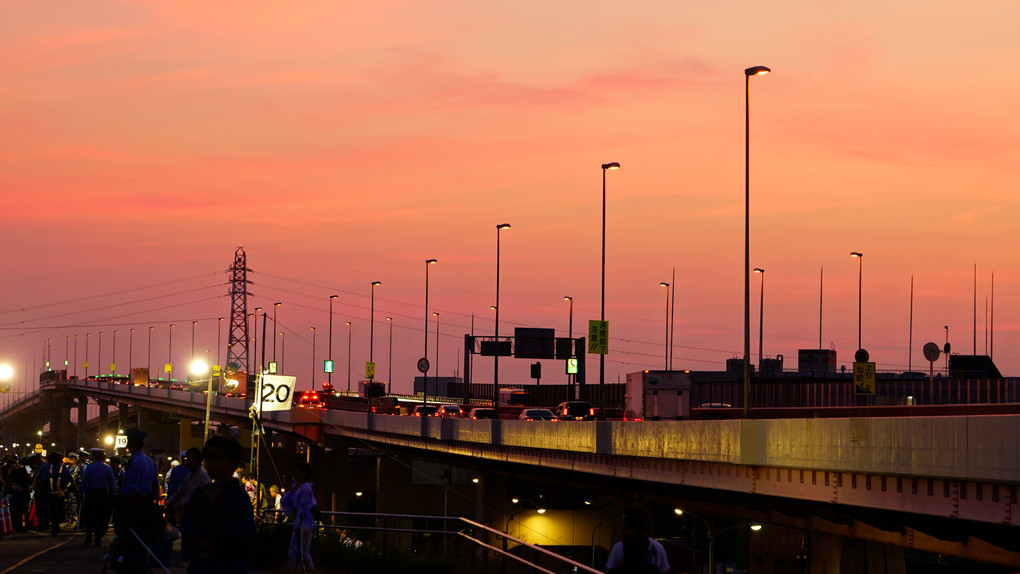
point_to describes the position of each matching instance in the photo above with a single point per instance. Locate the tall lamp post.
(131, 344)
(148, 359)
(200, 368)
(570, 334)
(425, 353)
(753, 71)
(99, 359)
(313, 359)
(602, 302)
(666, 285)
(860, 264)
(348, 356)
(329, 358)
(113, 359)
(495, 362)
(371, 331)
(389, 369)
(761, 317)
(436, 315)
(275, 307)
(170, 354)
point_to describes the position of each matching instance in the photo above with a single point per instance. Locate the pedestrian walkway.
(34, 551)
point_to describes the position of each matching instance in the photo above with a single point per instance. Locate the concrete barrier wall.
(984, 448)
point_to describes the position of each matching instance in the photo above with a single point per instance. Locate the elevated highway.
(944, 484)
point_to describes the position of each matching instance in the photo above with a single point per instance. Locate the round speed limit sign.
(423, 365)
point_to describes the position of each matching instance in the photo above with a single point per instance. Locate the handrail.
(577, 566)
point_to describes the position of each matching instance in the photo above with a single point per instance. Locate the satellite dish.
(931, 352)
(861, 356)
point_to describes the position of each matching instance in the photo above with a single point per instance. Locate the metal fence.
(459, 544)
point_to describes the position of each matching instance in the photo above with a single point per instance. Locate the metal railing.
(423, 536)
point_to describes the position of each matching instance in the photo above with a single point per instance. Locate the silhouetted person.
(98, 486)
(217, 524)
(637, 553)
(298, 502)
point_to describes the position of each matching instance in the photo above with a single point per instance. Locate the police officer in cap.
(138, 510)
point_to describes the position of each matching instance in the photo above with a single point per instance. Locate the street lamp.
(283, 351)
(170, 354)
(711, 542)
(200, 368)
(348, 356)
(389, 369)
(313, 359)
(666, 285)
(753, 71)
(148, 361)
(329, 358)
(219, 329)
(425, 354)
(131, 348)
(538, 509)
(570, 333)
(113, 359)
(860, 264)
(761, 317)
(495, 362)
(99, 359)
(436, 315)
(193, 323)
(86, 364)
(371, 331)
(275, 307)
(602, 301)
(255, 339)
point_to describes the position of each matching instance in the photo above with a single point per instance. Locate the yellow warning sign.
(864, 379)
(598, 337)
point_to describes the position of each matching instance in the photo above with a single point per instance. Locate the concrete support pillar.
(122, 416)
(103, 419)
(62, 432)
(83, 439)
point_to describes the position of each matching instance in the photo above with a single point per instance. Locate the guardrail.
(475, 545)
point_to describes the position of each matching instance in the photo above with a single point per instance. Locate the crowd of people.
(206, 499)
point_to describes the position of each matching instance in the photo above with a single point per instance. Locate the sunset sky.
(345, 143)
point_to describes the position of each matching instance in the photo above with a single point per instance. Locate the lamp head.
(856, 254)
(611, 165)
(759, 270)
(757, 71)
(502, 226)
(334, 296)
(374, 283)
(663, 284)
(430, 261)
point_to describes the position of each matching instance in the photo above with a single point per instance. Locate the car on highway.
(483, 413)
(424, 411)
(537, 415)
(310, 400)
(450, 412)
(574, 411)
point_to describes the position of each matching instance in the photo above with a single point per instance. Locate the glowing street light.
(329, 358)
(602, 299)
(753, 71)
(666, 285)
(200, 368)
(371, 331)
(761, 317)
(860, 264)
(495, 362)
(425, 353)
